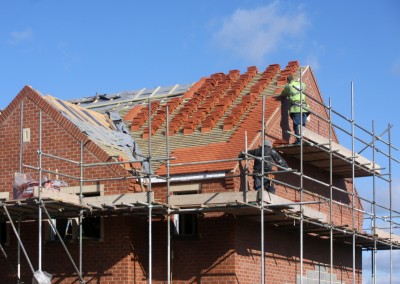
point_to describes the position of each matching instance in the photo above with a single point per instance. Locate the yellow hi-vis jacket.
(292, 92)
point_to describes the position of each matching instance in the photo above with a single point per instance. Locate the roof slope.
(207, 121)
(98, 127)
(202, 127)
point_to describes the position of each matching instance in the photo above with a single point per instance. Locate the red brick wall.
(57, 141)
(109, 261)
(317, 124)
(282, 255)
(208, 259)
(226, 250)
(120, 258)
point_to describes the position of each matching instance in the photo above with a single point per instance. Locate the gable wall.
(109, 260)
(276, 130)
(57, 141)
(341, 214)
(318, 125)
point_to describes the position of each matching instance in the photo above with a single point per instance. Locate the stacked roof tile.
(206, 120)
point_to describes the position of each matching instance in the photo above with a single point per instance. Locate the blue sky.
(73, 49)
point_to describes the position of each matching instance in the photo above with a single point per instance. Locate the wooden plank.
(339, 149)
(95, 188)
(118, 199)
(308, 212)
(188, 200)
(223, 198)
(58, 196)
(386, 235)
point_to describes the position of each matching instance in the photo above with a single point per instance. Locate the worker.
(270, 156)
(299, 116)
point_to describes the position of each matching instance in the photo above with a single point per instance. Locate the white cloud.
(20, 36)
(312, 58)
(253, 34)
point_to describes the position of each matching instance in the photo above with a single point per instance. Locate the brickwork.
(119, 258)
(208, 259)
(226, 249)
(57, 141)
(61, 138)
(282, 252)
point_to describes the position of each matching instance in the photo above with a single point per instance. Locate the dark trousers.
(296, 117)
(268, 186)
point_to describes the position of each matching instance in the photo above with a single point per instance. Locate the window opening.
(64, 228)
(186, 224)
(91, 227)
(3, 232)
(68, 228)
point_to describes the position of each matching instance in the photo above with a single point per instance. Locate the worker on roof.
(297, 98)
(270, 157)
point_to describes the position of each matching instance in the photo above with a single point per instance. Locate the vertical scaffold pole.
(246, 189)
(301, 179)
(373, 207)
(352, 184)
(20, 170)
(168, 199)
(40, 191)
(149, 200)
(17, 235)
(330, 194)
(390, 204)
(54, 228)
(81, 211)
(261, 190)
(19, 252)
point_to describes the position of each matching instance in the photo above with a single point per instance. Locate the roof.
(100, 128)
(207, 120)
(207, 126)
(209, 123)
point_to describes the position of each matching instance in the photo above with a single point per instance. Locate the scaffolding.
(286, 214)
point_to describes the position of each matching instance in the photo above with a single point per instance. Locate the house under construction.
(148, 186)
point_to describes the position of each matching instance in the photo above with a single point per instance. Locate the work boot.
(270, 189)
